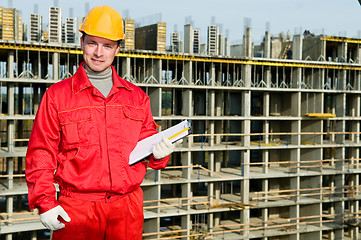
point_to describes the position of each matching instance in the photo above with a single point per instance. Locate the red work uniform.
(82, 141)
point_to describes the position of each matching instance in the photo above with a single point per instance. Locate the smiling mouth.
(96, 60)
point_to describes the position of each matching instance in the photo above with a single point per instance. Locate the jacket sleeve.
(41, 155)
(149, 129)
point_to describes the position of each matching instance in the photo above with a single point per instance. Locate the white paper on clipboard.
(144, 147)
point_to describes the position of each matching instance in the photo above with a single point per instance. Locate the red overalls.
(82, 141)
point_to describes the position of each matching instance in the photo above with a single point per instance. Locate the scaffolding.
(274, 153)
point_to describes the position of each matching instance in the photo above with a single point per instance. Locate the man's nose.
(99, 51)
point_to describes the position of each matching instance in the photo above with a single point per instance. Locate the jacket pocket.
(133, 113)
(76, 124)
(67, 154)
(128, 122)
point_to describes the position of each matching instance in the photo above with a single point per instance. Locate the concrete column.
(203, 49)
(10, 171)
(211, 111)
(357, 83)
(342, 52)
(265, 157)
(11, 111)
(218, 112)
(217, 168)
(245, 159)
(186, 161)
(296, 104)
(340, 112)
(331, 210)
(245, 214)
(36, 98)
(358, 54)
(220, 45)
(10, 64)
(357, 126)
(356, 231)
(226, 47)
(297, 55)
(319, 78)
(11, 102)
(246, 97)
(151, 225)
(157, 69)
(295, 210)
(341, 80)
(37, 66)
(188, 38)
(340, 205)
(296, 78)
(267, 45)
(56, 66)
(351, 193)
(125, 73)
(217, 186)
(266, 104)
(265, 188)
(247, 75)
(211, 199)
(211, 165)
(322, 56)
(247, 44)
(212, 103)
(186, 223)
(297, 47)
(187, 103)
(188, 73)
(155, 95)
(212, 74)
(186, 192)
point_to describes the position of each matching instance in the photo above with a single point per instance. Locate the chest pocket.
(129, 121)
(133, 113)
(77, 126)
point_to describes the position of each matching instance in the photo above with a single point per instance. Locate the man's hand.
(164, 148)
(50, 218)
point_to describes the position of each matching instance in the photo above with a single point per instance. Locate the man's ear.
(81, 41)
(118, 48)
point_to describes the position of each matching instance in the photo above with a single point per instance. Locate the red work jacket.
(82, 141)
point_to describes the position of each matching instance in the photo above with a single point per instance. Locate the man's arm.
(41, 155)
(149, 129)
(164, 149)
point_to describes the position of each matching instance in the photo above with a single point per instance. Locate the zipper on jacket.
(106, 139)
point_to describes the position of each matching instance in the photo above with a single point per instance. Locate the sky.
(330, 17)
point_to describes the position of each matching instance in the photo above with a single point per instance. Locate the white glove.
(164, 148)
(50, 218)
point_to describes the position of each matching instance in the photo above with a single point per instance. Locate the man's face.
(98, 53)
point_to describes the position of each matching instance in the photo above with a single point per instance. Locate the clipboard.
(144, 148)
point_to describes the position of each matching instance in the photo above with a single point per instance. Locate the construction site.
(276, 141)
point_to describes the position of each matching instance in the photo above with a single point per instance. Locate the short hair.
(119, 42)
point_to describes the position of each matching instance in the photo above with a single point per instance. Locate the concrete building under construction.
(11, 27)
(35, 27)
(129, 31)
(55, 26)
(151, 37)
(275, 146)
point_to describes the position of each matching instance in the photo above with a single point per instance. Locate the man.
(83, 134)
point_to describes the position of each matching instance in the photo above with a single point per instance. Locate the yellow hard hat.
(105, 22)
